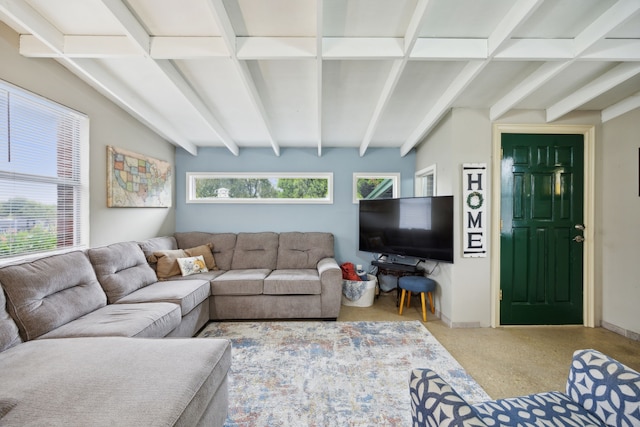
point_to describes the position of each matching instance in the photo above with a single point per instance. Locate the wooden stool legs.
(422, 298)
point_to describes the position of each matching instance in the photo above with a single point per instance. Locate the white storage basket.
(366, 300)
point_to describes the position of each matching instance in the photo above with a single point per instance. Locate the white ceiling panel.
(273, 18)
(420, 86)
(78, 16)
(367, 18)
(568, 81)
(483, 91)
(562, 19)
(350, 92)
(289, 91)
(217, 83)
(151, 86)
(463, 18)
(335, 73)
(174, 18)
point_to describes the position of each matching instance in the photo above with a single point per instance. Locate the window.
(426, 182)
(210, 187)
(43, 184)
(375, 186)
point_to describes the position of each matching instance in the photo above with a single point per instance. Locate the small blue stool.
(421, 284)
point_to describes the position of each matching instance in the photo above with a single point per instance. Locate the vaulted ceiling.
(336, 73)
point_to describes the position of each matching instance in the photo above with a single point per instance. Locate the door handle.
(578, 239)
(579, 227)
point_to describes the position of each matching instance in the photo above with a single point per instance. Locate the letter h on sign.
(474, 235)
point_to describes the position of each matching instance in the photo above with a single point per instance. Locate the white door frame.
(588, 131)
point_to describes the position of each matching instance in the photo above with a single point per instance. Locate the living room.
(467, 293)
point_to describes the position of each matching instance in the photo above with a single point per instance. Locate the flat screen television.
(417, 227)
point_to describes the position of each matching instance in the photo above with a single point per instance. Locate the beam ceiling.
(328, 73)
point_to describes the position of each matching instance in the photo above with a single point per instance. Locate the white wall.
(439, 152)
(620, 225)
(465, 136)
(110, 125)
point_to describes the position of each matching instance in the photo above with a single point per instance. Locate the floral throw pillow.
(192, 265)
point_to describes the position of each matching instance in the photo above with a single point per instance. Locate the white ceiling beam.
(449, 49)
(443, 104)
(276, 47)
(188, 47)
(394, 75)
(597, 87)
(170, 71)
(516, 16)
(387, 90)
(616, 50)
(129, 23)
(139, 36)
(528, 85)
(319, 28)
(536, 50)
(415, 25)
(589, 37)
(612, 18)
(130, 101)
(439, 49)
(121, 46)
(362, 48)
(29, 19)
(230, 38)
(620, 108)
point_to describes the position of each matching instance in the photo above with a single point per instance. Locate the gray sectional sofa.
(289, 275)
(81, 332)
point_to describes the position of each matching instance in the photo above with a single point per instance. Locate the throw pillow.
(192, 265)
(166, 262)
(206, 252)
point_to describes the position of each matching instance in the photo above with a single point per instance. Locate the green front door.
(541, 229)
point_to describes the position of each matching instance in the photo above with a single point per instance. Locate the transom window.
(43, 177)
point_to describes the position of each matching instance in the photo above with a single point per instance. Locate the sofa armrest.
(326, 265)
(605, 387)
(435, 403)
(331, 283)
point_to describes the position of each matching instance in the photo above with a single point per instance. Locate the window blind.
(42, 186)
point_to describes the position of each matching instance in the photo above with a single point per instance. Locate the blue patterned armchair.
(600, 392)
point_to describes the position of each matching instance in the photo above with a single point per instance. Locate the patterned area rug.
(331, 373)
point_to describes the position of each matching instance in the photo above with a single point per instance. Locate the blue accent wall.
(339, 218)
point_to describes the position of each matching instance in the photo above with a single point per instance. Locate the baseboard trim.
(621, 331)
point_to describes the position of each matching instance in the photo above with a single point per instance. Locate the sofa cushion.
(303, 250)
(205, 252)
(113, 381)
(149, 320)
(192, 265)
(255, 250)
(293, 282)
(550, 408)
(154, 244)
(186, 293)
(239, 282)
(208, 276)
(222, 245)
(121, 269)
(9, 334)
(167, 262)
(49, 292)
